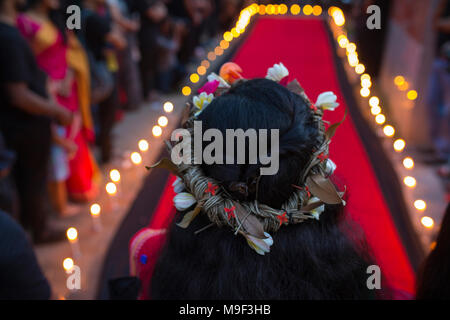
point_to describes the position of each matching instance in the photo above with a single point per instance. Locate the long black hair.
(433, 281)
(310, 260)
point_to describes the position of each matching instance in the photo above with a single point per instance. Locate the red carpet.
(164, 213)
(304, 48)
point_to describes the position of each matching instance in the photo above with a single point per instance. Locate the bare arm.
(25, 99)
(116, 39)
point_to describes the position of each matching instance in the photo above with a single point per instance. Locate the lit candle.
(143, 145)
(72, 236)
(156, 131)
(136, 158)
(163, 121)
(68, 265)
(143, 148)
(111, 189)
(114, 175)
(168, 106)
(95, 214)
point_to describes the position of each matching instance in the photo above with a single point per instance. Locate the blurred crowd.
(62, 91)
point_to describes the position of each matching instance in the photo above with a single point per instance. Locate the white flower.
(222, 83)
(201, 101)
(327, 101)
(261, 246)
(183, 201)
(178, 185)
(277, 72)
(317, 211)
(331, 166)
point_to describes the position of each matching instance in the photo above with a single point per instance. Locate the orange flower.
(230, 72)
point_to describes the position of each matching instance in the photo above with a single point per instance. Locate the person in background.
(62, 58)
(101, 39)
(433, 282)
(129, 80)
(83, 182)
(168, 44)
(318, 259)
(371, 42)
(438, 93)
(151, 13)
(228, 10)
(26, 115)
(39, 25)
(21, 278)
(194, 14)
(7, 191)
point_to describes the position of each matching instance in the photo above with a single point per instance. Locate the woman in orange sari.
(62, 57)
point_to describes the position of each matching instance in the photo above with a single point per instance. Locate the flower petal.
(209, 87)
(261, 246)
(183, 201)
(178, 185)
(222, 83)
(197, 102)
(277, 72)
(330, 167)
(327, 101)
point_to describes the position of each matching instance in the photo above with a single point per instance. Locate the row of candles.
(388, 130)
(113, 187)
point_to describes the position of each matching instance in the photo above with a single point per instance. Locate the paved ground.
(93, 245)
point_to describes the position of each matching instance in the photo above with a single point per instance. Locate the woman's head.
(48, 4)
(264, 104)
(55, 13)
(313, 259)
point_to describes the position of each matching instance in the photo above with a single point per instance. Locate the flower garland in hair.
(254, 220)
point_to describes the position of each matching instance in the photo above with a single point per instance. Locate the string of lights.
(389, 131)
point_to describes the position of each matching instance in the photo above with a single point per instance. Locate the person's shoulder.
(10, 37)
(10, 230)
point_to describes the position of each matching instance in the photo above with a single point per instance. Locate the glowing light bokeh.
(72, 234)
(95, 209)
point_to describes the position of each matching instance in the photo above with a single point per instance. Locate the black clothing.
(147, 36)
(18, 65)
(97, 28)
(20, 274)
(8, 201)
(149, 29)
(107, 110)
(28, 135)
(32, 147)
